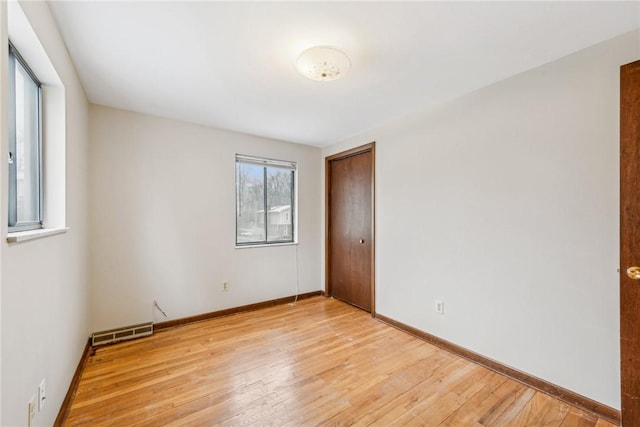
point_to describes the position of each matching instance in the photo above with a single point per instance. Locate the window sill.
(266, 245)
(23, 236)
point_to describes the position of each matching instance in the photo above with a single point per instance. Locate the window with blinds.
(24, 157)
(265, 201)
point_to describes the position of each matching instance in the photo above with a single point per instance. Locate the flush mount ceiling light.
(323, 63)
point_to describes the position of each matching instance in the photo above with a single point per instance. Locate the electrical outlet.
(225, 286)
(32, 411)
(42, 395)
(439, 306)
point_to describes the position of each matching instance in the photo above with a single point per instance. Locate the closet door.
(350, 245)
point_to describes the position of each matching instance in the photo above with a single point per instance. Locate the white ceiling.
(232, 65)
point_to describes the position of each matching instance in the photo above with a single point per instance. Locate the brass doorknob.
(633, 273)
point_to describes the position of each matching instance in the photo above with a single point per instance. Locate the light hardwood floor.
(318, 362)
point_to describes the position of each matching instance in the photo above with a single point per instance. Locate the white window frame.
(53, 127)
(266, 162)
(13, 224)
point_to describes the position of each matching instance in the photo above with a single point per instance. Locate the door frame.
(371, 147)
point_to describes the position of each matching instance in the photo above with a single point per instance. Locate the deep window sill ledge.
(24, 236)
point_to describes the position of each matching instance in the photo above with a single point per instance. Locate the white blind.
(241, 158)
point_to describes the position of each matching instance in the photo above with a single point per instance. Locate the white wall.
(163, 220)
(45, 316)
(504, 204)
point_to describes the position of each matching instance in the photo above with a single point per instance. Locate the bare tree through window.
(265, 201)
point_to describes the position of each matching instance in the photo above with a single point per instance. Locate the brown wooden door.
(630, 242)
(350, 243)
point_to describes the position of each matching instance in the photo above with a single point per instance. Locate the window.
(265, 201)
(25, 182)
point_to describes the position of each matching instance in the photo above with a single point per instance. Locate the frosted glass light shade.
(323, 63)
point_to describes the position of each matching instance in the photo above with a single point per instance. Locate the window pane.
(27, 150)
(279, 204)
(250, 203)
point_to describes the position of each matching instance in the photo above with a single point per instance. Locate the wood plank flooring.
(318, 362)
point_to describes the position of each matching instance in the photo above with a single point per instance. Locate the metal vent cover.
(121, 334)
